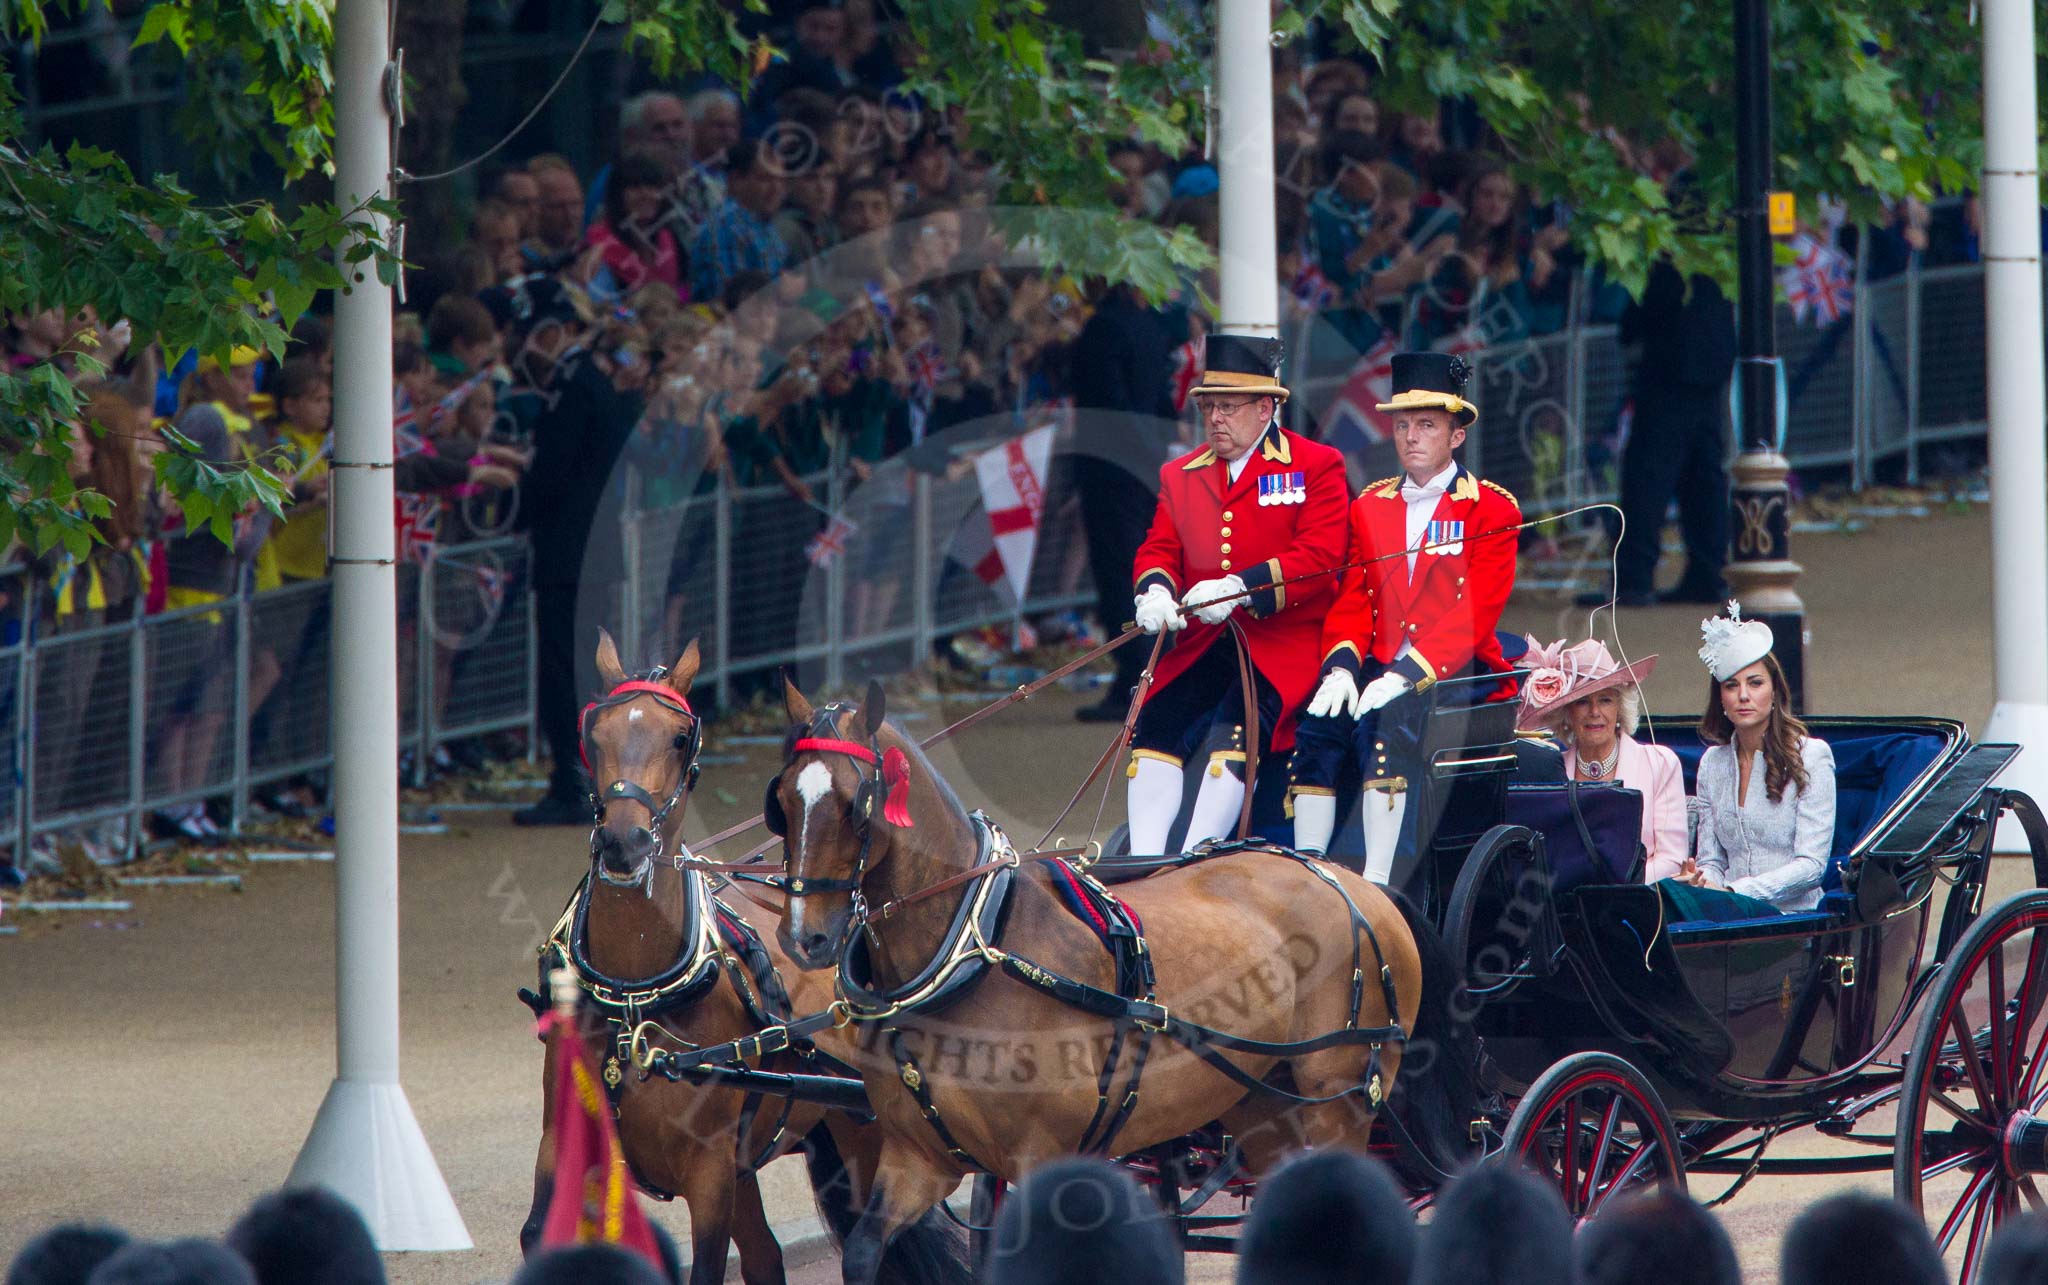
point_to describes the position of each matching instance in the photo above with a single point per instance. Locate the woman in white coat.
(1767, 788)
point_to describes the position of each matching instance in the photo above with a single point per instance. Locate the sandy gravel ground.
(161, 1066)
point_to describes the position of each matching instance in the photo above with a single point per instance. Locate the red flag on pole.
(593, 1198)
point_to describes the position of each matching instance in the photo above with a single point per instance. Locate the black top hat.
(1246, 364)
(1431, 380)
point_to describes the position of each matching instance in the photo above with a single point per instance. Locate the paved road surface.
(161, 1067)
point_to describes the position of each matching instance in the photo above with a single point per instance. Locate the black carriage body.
(1778, 1018)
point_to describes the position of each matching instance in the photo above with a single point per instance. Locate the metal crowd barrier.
(108, 724)
(114, 722)
(1903, 369)
(732, 568)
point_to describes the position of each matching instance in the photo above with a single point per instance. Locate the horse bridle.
(687, 743)
(885, 774)
(887, 770)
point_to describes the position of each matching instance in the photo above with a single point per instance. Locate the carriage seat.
(1873, 769)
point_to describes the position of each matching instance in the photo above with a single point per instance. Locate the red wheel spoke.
(1954, 1221)
(2030, 1083)
(2001, 1067)
(1637, 1161)
(1597, 1163)
(1568, 1162)
(1956, 1109)
(2030, 1005)
(1973, 1062)
(1979, 1223)
(1955, 1162)
(2031, 1192)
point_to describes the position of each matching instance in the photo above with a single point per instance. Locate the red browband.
(667, 694)
(895, 772)
(631, 687)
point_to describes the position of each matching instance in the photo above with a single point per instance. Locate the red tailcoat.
(1283, 517)
(1448, 609)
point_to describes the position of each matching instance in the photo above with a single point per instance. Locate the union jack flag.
(490, 586)
(1312, 290)
(927, 368)
(418, 517)
(1351, 424)
(1818, 281)
(830, 543)
(878, 299)
(1187, 371)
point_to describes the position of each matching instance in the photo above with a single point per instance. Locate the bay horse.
(992, 1037)
(650, 942)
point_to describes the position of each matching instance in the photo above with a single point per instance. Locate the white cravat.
(1237, 466)
(1422, 507)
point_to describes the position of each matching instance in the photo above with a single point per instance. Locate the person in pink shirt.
(637, 246)
(1592, 705)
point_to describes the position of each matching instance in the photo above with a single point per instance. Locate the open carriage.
(1614, 1049)
(1901, 1018)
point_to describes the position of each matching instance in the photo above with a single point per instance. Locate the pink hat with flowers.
(1557, 675)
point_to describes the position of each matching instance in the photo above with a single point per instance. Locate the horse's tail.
(1444, 1071)
(930, 1251)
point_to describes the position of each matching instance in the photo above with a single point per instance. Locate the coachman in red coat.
(1401, 624)
(1255, 507)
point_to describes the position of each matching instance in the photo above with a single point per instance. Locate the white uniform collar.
(1432, 488)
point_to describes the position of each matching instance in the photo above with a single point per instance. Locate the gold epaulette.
(1394, 481)
(1510, 495)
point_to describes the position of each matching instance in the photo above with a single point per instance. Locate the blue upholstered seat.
(1873, 769)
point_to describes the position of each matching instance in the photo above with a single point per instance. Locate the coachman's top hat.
(1242, 364)
(1431, 380)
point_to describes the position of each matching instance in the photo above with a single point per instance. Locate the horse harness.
(887, 775)
(971, 947)
(715, 941)
(687, 744)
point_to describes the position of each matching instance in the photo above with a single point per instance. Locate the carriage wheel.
(1592, 1125)
(1973, 1113)
(1494, 936)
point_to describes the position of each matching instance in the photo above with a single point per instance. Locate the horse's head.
(640, 740)
(841, 795)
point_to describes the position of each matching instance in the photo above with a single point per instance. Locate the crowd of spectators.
(802, 292)
(1323, 1218)
(1335, 1217)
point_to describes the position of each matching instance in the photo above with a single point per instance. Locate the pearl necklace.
(1599, 769)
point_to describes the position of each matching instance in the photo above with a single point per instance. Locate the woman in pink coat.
(1592, 704)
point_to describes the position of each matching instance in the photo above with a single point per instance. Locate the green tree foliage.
(81, 234)
(1872, 100)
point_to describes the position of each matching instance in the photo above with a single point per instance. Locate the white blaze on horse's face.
(813, 784)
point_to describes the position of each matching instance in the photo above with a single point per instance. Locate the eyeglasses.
(1225, 405)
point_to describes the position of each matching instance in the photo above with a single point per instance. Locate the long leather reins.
(1028, 690)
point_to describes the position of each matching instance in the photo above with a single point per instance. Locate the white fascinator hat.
(1729, 644)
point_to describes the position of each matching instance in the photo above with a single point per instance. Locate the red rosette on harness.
(896, 775)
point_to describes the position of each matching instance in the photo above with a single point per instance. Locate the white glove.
(1157, 610)
(1209, 589)
(1381, 690)
(1337, 695)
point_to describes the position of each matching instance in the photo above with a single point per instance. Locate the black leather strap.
(921, 1092)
